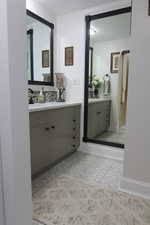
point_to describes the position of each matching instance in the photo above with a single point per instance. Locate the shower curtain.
(123, 89)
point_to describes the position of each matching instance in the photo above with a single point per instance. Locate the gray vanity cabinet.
(98, 118)
(54, 134)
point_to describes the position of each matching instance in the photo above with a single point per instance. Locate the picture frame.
(114, 67)
(45, 59)
(69, 56)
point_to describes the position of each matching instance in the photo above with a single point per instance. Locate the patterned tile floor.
(116, 137)
(82, 190)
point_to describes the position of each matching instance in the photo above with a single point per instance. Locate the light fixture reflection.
(92, 31)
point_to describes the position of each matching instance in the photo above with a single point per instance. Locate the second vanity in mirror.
(106, 77)
(98, 117)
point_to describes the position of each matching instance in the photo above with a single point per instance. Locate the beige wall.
(137, 155)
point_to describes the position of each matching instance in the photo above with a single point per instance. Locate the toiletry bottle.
(41, 96)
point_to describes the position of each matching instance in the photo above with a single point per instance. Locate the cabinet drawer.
(51, 115)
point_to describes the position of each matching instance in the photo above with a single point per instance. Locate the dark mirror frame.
(30, 34)
(86, 85)
(51, 26)
(91, 67)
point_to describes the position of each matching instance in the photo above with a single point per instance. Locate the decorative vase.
(96, 92)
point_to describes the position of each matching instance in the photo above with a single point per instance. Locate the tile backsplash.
(50, 96)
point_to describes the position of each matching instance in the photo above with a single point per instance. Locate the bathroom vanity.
(54, 133)
(98, 116)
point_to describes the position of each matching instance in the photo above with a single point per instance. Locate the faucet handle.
(30, 91)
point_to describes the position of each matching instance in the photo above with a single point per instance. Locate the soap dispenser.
(41, 98)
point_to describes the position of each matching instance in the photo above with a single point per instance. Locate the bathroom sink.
(46, 103)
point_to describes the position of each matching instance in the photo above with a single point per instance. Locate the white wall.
(101, 66)
(14, 121)
(137, 155)
(70, 32)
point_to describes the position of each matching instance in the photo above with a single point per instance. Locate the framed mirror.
(106, 77)
(40, 59)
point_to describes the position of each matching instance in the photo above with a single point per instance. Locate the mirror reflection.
(39, 52)
(109, 54)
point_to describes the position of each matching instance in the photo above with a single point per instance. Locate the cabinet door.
(98, 118)
(100, 113)
(108, 113)
(41, 154)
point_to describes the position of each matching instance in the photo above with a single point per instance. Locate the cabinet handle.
(47, 128)
(74, 120)
(74, 137)
(53, 127)
(98, 113)
(73, 146)
(74, 128)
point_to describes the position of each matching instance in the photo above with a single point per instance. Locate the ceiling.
(60, 7)
(111, 28)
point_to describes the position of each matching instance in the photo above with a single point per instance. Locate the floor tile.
(115, 137)
(88, 168)
(83, 190)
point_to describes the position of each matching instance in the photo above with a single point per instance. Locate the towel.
(123, 89)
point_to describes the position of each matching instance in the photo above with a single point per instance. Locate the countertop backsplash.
(50, 96)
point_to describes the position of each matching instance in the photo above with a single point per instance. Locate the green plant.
(96, 82)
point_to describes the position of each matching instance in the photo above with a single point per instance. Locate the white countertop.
(102, 99)
(51, 105)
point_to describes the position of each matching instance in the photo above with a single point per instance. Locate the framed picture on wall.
(114, 67)
(45, 59)
(69, 56)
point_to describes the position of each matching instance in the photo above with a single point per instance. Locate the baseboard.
(102, 151)
(135, 187)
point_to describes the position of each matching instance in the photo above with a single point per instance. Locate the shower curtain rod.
(125, 52)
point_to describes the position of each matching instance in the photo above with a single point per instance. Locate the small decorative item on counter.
(96, 84)
(107, 85)
(41, 97)
(30, 96)
(61, 87)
